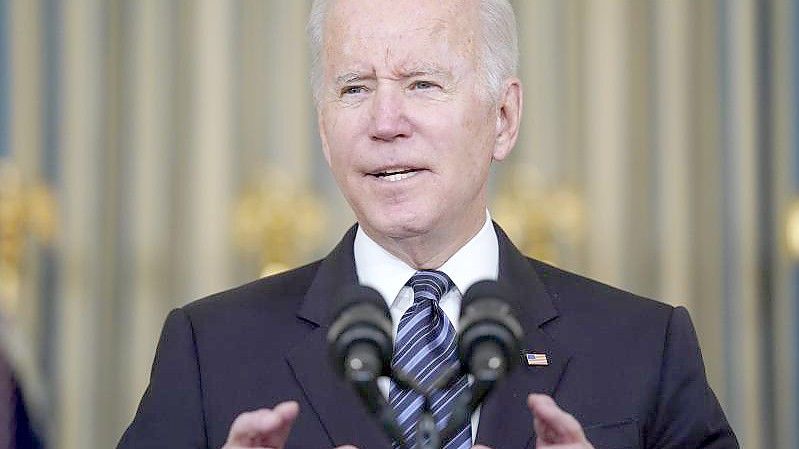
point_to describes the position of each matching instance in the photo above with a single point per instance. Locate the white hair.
(498, 57)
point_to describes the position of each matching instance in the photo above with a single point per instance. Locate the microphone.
(488, 344)
(488, 347)
(361, 348)
(360, 337)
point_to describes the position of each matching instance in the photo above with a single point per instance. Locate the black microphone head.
(361, 329)
(483, 290)
(352, 295)
(488, 341)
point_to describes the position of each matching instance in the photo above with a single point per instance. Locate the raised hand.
(554, 428)
(264, 428)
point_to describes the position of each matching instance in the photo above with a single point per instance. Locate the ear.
(320, 123)
(509, 116)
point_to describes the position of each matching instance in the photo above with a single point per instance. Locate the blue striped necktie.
(424, 349)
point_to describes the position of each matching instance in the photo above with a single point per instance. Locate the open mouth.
(395, 175)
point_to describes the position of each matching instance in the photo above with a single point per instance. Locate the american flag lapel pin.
(536, 359)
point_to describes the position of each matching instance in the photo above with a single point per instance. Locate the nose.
(389, 120)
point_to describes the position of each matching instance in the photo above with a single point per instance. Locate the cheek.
(479, 134)
(338, 141)
(344, 134)
(474, 116)
(475, 149)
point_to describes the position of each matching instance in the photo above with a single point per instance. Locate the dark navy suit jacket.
(629, 369)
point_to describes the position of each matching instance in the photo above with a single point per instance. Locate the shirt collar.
(477, 260)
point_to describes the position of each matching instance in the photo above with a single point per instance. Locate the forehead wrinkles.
(355, 27)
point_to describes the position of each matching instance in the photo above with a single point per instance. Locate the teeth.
(399, 176)
(396, 171)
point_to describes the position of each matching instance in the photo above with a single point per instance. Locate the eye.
(353, 90)
(423, 85)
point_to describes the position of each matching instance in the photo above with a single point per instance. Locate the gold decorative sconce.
(27, 210)
(546, 222)
(280, 221)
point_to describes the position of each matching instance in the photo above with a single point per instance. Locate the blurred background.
(147, 148)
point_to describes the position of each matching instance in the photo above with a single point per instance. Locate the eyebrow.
(426, 70)
(422, 70)
(351, 77)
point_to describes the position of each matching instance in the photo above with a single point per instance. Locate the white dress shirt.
(475, 261)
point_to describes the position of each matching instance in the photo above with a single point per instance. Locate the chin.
(398, 224)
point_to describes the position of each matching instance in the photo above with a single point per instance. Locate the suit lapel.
(340, 410)
(343, 415)
(505, 421)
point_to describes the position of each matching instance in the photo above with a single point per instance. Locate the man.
(415, 100)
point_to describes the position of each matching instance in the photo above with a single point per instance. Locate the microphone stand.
(427, 434)
(360, 372)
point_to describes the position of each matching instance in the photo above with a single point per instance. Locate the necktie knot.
(429, 284)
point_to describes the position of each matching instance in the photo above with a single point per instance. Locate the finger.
(585, 445)
(288, 412)
(553, 425)
(264, 427)
(252, 429)
(346, 447)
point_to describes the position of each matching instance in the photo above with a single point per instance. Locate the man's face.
(407, 126)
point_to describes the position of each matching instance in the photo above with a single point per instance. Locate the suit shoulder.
(282, 290)
(577, 294)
